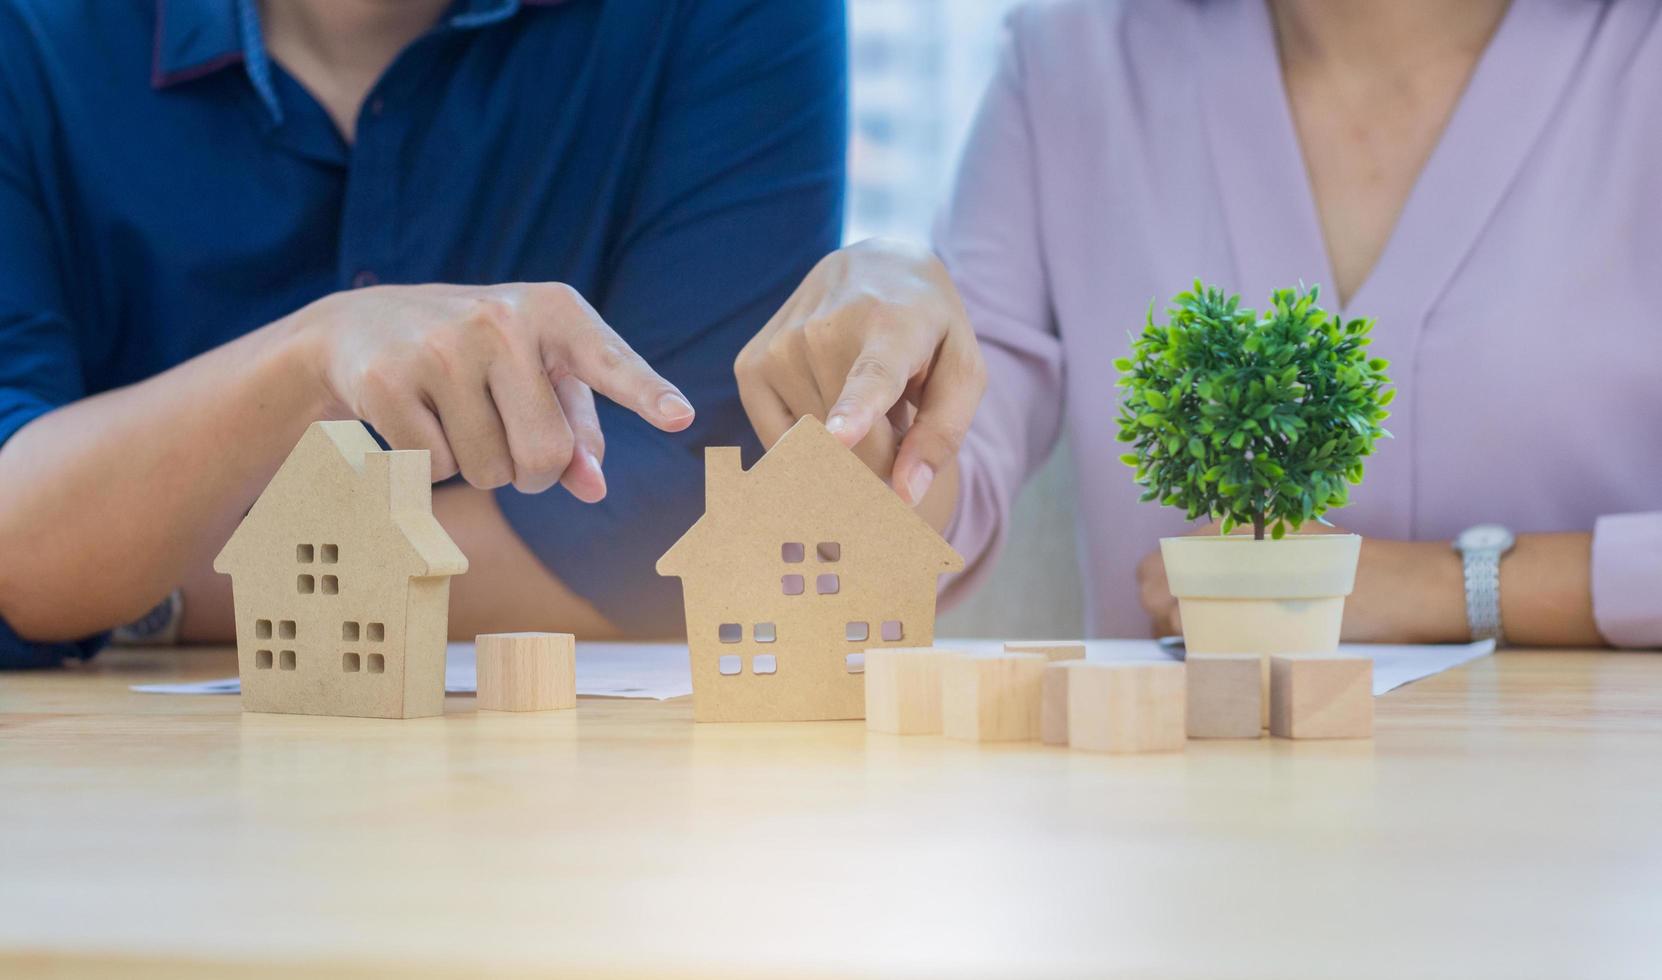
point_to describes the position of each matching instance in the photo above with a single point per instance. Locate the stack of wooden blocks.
(1049, 692)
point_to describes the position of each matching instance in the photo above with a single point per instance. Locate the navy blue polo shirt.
(166, 187)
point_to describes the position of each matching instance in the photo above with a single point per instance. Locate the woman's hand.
(1406, 592)
(496, 382)
(1155, 594)
(876, 343)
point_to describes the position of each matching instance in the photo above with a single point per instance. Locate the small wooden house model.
(795, 569)
(341, 580)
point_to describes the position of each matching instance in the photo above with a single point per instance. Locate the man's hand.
(875, 342)
(1406, 592)
(493, 381)
(496, 382)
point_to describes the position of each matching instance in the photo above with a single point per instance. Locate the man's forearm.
(105, 503)
(134, 489)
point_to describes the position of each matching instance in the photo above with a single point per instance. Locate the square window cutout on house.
(855, 632)
(377, 632)
(303, 554)
(764, 633)
(285, 659)
(729, 664)
(331, 554)
(892, 631)
(790, 584)
(764, 663)
(377, 663)
(829, 551)
(331, 585)
(729, 632)
(856, 663)
(305, 584)
(349, 663)
(826, 584)
(262, 659)
(349, 632)
(262, 629)
(791, 551)
(285, 629)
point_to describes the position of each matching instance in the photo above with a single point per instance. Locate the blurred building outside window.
(918, 69)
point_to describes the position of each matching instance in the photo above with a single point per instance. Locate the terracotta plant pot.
(1240, 595)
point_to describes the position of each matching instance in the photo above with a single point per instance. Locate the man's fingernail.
(592, 460)
(674, 407)
(836, 424)
(918, 485)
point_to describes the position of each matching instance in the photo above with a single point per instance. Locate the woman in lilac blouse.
(1483, 178)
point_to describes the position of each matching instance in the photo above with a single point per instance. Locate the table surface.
(1506, 820)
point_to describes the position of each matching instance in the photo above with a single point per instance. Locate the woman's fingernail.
(600, 475)
(918, 484)
(836, 424)
(674, 407)
(594, 485)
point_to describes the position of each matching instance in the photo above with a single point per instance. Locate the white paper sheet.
(660, 670)
(1394, 665)
(612, 670)
(225, 685)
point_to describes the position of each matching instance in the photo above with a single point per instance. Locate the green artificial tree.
(1251, 419)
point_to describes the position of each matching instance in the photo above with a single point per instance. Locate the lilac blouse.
(1127, 146)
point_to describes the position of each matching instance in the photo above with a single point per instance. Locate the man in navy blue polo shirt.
(221, 220)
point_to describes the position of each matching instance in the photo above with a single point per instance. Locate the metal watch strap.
(1482, 569)
(158, 627)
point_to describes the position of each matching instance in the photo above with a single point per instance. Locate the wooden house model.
(796, 568)
(341, 580)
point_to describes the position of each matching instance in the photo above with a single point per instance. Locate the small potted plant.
(1257, 421)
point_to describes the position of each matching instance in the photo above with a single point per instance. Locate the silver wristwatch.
(1481, 548)
(158, 627)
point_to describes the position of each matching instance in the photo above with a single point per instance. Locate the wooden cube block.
(903, 689)
(1053, 702)
(1321, 696)
(992, 697)
(1053, 650)
(1126, 707)
(526, 671)
(1226, 695)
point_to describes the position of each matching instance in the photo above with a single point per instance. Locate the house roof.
(406, 479)
(811, 467)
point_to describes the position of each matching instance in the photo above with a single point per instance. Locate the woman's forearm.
(105, 503)
(1414, 592)
(938, 504)
(1546, 595)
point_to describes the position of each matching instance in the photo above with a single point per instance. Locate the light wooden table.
(1506, 821)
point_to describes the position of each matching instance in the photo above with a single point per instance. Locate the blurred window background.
(918, 68)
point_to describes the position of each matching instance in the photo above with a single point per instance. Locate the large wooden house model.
(796, 568)
(341, 579)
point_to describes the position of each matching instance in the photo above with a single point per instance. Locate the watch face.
(1485, 537)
